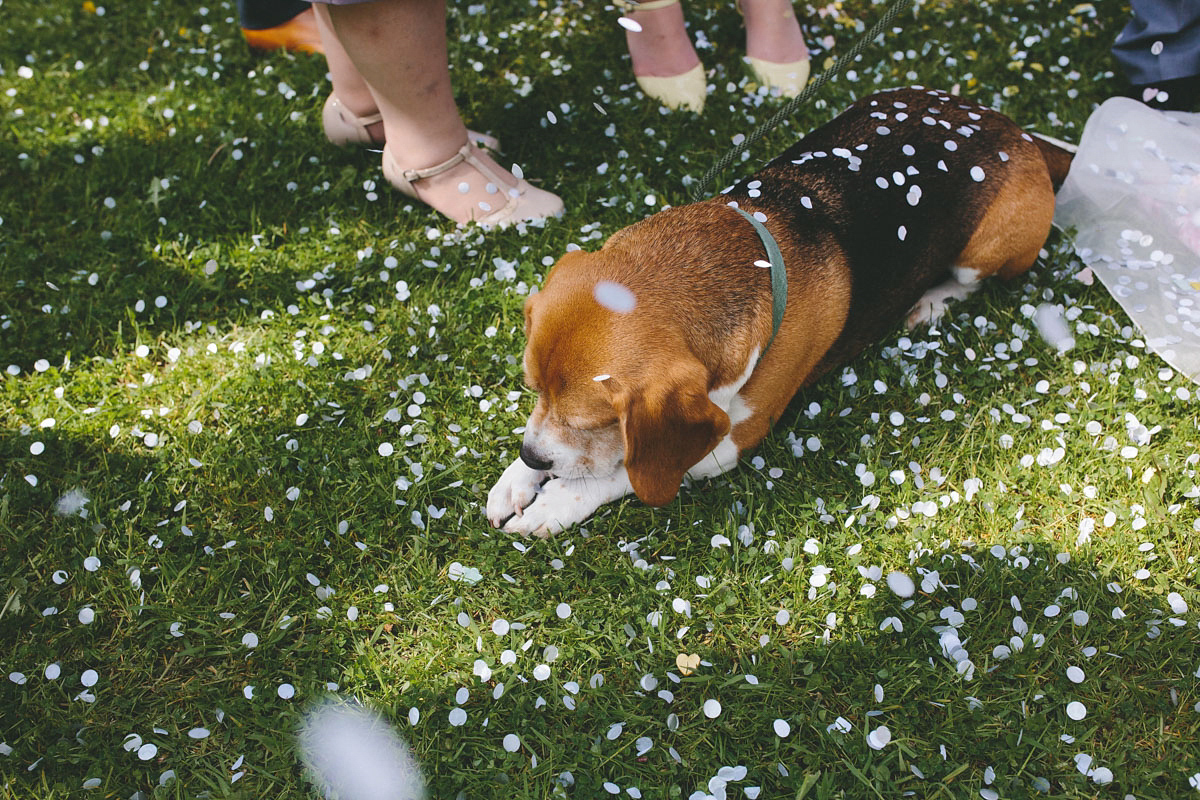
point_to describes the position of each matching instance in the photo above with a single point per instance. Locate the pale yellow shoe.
(522, 203)
(687, 91)
(343, 128)
(789, 79)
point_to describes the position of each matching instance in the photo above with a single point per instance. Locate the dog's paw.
(923, 313)
(934, 303)
(512, 494)
(559, 504)
(563, 502)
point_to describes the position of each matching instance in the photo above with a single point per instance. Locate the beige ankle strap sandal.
(687, 90)
(403, 179)
(522, 202)
(650, 5)
(344, 129)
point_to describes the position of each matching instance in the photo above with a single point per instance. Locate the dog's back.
(912, 183)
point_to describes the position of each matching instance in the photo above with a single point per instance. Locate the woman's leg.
(398, 48)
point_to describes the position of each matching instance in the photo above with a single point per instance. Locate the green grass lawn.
(212, 323)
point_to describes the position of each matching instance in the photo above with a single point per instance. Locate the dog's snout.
(533, 460)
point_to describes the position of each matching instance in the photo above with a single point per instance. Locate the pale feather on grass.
(356, 755)
(72, 503)
(1053, 326)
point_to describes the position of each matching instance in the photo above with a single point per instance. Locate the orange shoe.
(299, 33)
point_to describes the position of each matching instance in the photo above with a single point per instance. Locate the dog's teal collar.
(779, 281)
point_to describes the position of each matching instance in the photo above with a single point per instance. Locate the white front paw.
(512, 494)
(559, 504)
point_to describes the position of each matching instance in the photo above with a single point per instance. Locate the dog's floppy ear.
(668, 425)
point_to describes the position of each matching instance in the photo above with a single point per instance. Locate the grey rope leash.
(878, 29)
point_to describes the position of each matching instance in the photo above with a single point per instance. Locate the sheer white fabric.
(1133, 201)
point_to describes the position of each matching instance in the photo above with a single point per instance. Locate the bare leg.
(664, 62)
(398, 48)
(772, 32)
(348, 86)
(662, 47)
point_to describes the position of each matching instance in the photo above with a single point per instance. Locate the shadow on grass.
(1011, 714)
(81, 278)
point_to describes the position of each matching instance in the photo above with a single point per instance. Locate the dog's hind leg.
(1007, 240)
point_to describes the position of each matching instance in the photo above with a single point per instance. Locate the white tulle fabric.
(1132, 200)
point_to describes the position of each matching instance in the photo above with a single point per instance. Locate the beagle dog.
(669, 352)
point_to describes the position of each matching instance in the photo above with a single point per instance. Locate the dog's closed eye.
(588, 424)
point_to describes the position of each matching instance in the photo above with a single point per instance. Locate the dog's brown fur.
(703, 310)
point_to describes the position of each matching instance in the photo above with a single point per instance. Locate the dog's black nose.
(533, 460)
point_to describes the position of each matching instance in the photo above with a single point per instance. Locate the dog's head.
(616, 385)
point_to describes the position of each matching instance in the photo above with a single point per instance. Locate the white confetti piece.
(1177, 603)
(89, 678)
(900, 584)
(712, 708)
(879, 738)
(286, 691)
(512, 743)
(1076, 710)
(840, 725)
(782, 728)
